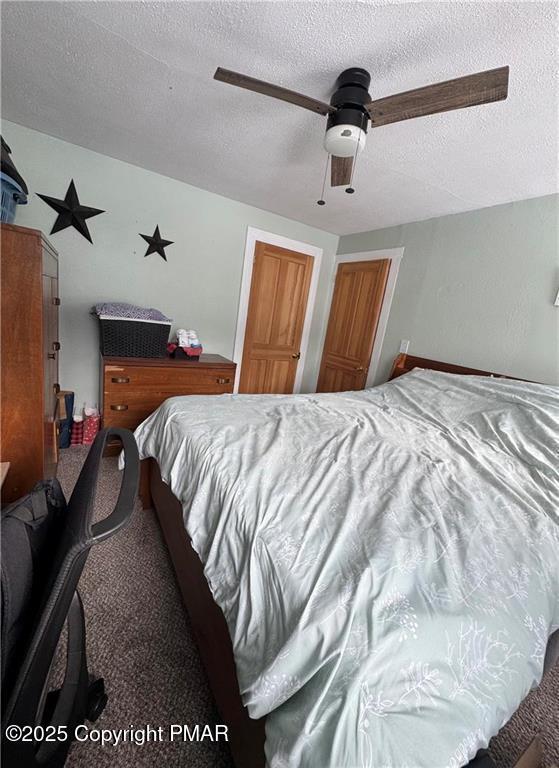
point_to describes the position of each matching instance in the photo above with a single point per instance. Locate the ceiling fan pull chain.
(350, 189)
(322, 201)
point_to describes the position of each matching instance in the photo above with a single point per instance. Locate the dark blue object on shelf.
(14, 188)
(12, 195)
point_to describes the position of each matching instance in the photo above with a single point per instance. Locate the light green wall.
(198, 287)
(476, 288)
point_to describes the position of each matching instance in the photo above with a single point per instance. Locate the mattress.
(386, 560)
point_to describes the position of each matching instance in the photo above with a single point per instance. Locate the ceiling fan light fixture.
(351, 111)
(344, 140)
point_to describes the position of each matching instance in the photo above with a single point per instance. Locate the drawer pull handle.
(119, 407)
(120, 380)
(223, 381)
(51, 356)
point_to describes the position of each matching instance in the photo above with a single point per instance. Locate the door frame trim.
(254, 235)
(395, 255)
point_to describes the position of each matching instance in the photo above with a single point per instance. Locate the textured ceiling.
(134, 81)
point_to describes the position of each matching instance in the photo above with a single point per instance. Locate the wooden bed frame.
(405, 363)
(246, 736)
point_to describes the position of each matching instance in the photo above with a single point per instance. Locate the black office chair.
(26, 701)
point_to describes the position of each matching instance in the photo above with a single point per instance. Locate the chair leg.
(96, 699)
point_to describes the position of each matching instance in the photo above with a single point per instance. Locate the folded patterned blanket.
(120, 309)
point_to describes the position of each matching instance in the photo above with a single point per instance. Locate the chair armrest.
(128, 489)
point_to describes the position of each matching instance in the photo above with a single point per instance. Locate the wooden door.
(352, 326)
(276, 313)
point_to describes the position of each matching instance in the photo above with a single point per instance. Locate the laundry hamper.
(125, 337)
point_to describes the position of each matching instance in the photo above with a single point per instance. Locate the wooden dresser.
(29, 380)
(133, 387)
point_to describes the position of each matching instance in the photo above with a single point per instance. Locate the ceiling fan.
(351, 107)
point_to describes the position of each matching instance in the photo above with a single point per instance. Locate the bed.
(376, 600)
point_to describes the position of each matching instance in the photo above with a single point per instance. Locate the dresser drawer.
(127, 415)
(117, 404)
(143, 382)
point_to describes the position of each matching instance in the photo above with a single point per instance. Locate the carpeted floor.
(139, 639)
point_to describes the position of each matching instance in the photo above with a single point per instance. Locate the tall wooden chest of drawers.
(133, 387)
(29, 379)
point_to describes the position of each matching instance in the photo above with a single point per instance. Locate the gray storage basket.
(133, 338)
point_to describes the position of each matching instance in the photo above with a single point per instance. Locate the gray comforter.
(387, 560)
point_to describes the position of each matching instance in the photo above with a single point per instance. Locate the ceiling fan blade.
(276, 91)
(340, 171)
(481, 88)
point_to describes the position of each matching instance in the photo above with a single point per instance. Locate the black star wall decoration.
(156, 244)
(70, 212)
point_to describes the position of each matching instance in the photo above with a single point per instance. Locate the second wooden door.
(352, 326)
(276, 314)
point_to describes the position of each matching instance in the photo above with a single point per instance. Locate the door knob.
(296, 356)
